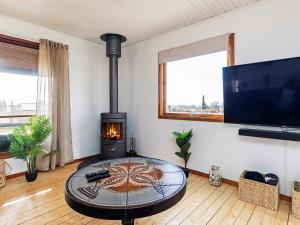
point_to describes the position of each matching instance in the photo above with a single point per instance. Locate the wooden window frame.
(162, 92)
(6, 155)
(19, 42)
(23, 43)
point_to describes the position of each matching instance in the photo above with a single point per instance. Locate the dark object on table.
(271, 179)
(138, 187)
(98, 177)
(100, 172)
(256, 176)
(89, 192)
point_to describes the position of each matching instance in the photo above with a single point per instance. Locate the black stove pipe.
(113, 52)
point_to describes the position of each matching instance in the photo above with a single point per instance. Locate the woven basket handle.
(4, 165)
(9, 167)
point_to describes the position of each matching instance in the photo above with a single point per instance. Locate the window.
(190, 79)
(18, 85)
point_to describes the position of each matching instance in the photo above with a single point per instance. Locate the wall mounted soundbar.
(271, 134)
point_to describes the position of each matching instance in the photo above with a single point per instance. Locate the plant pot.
(44, 162)
(31, 176)
(186, 171)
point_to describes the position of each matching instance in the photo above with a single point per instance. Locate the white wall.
(88, 84)
(264, 31)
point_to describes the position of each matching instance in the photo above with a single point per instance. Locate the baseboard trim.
(226, 181)
(15, 175)
(285, 198)
(85, 158)
(235, 183)
(74, 161)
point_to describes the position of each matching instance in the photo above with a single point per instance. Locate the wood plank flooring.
(42, 202)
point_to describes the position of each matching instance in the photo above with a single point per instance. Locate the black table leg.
(128, 222)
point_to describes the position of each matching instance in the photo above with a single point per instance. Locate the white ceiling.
(136, 19)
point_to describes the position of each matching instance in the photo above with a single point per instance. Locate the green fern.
(26, 140)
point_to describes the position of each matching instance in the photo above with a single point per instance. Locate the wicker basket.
(261, 194)
(3, 173)
(296, 200)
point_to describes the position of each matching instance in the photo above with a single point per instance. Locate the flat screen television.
(264, 93)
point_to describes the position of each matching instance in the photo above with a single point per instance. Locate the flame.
(113, 131)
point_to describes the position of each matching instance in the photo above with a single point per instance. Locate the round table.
(138, 187)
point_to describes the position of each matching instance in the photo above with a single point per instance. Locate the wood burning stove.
(113, 123)
(113, 135)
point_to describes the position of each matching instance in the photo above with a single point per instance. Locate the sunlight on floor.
(27, 197)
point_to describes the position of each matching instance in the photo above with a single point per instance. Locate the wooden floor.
(42, 202)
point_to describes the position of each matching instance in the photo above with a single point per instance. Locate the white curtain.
(53, 99)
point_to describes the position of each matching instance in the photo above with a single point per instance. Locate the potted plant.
(183, 142)
(26, 142)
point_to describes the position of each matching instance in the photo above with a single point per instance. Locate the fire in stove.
(112, 131)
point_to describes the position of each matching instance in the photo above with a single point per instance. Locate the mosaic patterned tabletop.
(134, 182)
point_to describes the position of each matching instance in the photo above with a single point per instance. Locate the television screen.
(265, 93)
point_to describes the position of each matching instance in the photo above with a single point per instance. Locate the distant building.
(215, 107)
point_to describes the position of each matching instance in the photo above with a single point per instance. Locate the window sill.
(193, 117)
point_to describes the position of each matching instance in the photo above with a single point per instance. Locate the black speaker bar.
(271, 134)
